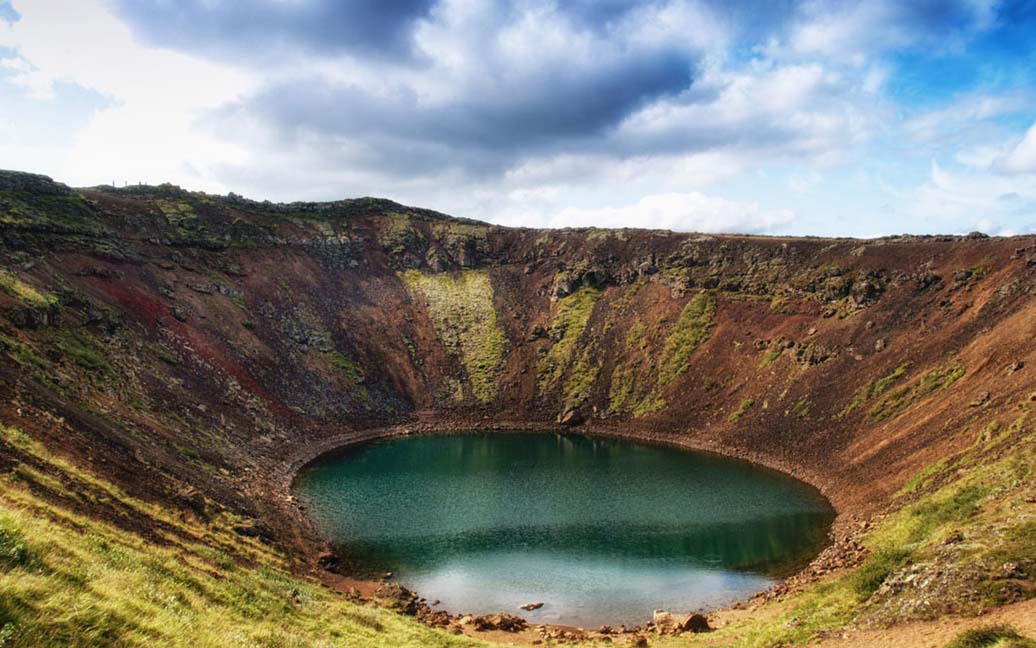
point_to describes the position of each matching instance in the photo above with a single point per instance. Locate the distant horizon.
(828, 118)
(330, 201)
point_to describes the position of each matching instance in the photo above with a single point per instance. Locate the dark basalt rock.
(694, 622)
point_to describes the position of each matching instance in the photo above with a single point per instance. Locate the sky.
(783, 117)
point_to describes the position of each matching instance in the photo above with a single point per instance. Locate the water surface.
(600, 530)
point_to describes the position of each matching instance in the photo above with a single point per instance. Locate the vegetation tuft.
(999, 636)
(15, 287)
(741, 410)
(935, 380)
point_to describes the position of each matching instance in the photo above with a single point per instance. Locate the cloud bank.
(778, 116)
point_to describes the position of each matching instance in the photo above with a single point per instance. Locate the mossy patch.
(991, 636)
(741, 410)
(637, 383)
(85, 352)
(462, 311)
(400, 235)
(23, 292)
(929, 383)
(629, 390)
(351, 373)
(581, 379)
(874, 389)
(769, 356)
(691, 329)
(572, 314)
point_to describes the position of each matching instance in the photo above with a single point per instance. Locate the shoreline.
(830, 556)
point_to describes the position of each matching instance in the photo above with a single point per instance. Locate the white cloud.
(147, 133)
(963, 113)
(974, 200)
(1023, 158)
(688, 212)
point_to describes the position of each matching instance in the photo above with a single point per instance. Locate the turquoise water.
(600, 530)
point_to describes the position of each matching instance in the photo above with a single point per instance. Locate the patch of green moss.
(166, 355)
(581, 380)
(941, 378)
(874, 389)
(741, 410)
(85, 352)
(876, 569)
(769, 356)
(648, 405)
(991, 636)
(400, 235)
(462, 311)
(628, 391)
(23, 292)
(929, 383)
(571, 317)
(349, 369)
(175, 211)
(923, 478)
(688, 333)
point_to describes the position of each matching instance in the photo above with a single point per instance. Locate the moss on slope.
(691, 329)
(570, 320)
(461, 309)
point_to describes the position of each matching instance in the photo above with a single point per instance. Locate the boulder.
(570, 417)
(664, 621)
(328, 560)
(396, 597)
(694, 622)
(499, 621)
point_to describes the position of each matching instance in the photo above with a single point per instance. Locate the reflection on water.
(602, 530)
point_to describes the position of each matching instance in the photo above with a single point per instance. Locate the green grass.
(802, 408)
(85, 352)
(570, 320)
(877, 567)
(923, 478)
(71, 580)
(632, 391)
(769, 356)
(741, 410)
(991, 636)
(462, 311)
(981, 505)
(628, 390)
(935, 380)
(688, 333)
(581, 379)
(350, 370)
(23, 292)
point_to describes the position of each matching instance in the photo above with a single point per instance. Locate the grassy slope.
(963, 542)
(71, 580)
